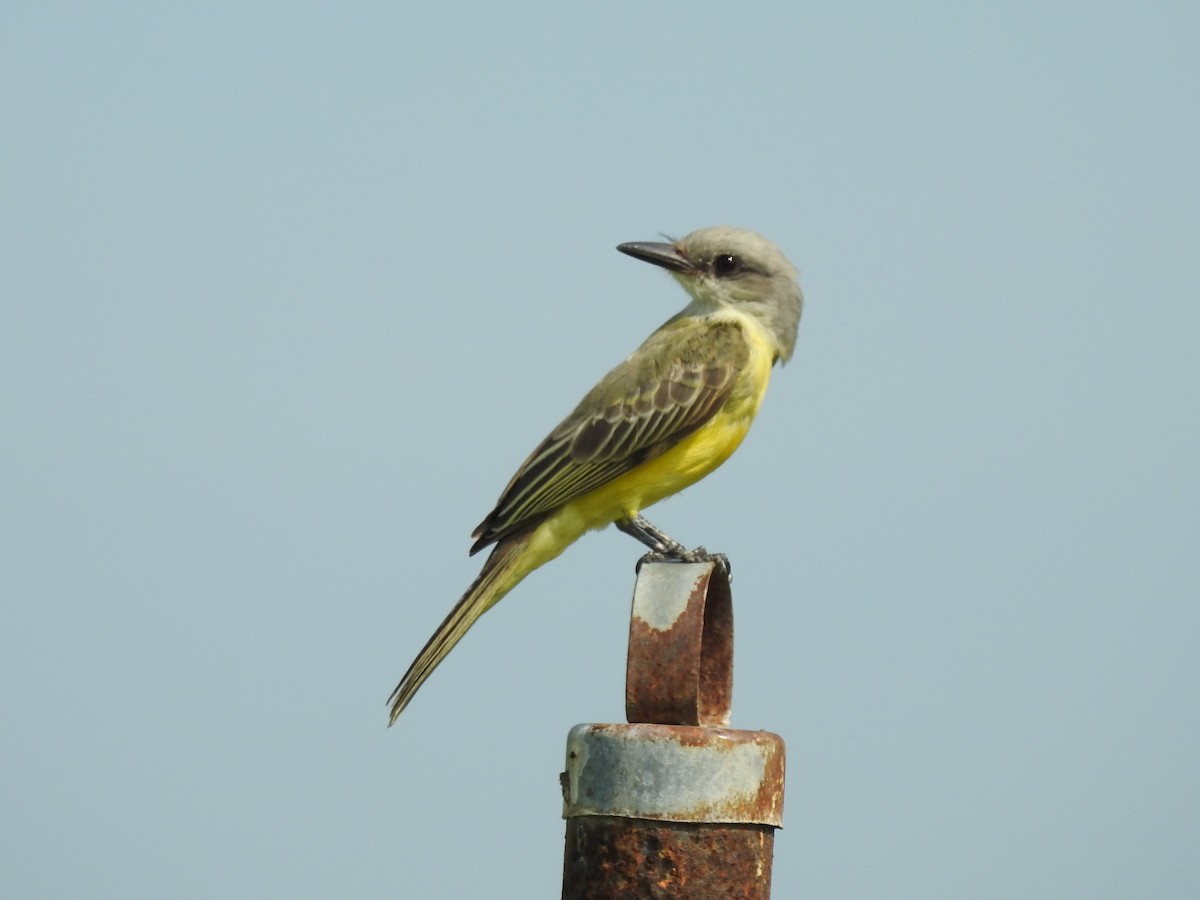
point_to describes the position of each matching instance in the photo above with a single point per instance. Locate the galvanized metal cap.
(674, 773)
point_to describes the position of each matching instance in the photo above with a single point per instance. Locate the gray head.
(724, 267)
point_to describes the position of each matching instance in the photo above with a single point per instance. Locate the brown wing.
(673, 384)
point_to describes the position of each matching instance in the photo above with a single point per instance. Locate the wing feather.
(674, 383)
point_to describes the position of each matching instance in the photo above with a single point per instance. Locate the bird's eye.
(725, 264)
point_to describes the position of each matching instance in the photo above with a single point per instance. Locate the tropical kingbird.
(660, 421)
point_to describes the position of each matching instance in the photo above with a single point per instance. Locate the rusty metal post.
(673, 804)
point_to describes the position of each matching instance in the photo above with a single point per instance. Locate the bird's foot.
(664, 548)
(653, 557)
(698, 555)
(720, 559)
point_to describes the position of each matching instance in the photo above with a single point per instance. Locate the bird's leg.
(643, 530)
(663, 547)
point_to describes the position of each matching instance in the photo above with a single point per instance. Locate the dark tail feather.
(496, 580)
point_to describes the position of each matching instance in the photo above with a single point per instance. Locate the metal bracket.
(680, 664)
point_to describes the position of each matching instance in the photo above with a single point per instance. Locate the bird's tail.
(505, 567)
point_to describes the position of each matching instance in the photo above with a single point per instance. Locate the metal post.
(673, 804)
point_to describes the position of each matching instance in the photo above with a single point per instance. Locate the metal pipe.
(672, 804)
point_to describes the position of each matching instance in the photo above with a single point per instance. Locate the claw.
(654, 556)
(723, 564)
(720, 559)
(698, 555)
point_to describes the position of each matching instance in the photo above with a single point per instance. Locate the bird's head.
(723, 267)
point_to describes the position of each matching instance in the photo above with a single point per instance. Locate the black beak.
(665, 255)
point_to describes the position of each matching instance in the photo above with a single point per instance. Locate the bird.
(667, 416)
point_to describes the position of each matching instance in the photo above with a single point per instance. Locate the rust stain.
(682, 674)
(620, 858)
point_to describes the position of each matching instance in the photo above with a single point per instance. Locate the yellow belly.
(683, 465)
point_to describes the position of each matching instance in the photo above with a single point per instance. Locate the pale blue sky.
(280, 287)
